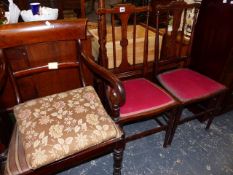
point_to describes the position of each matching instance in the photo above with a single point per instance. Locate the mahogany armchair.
(61, 130)
(202, 95)
(125, 49)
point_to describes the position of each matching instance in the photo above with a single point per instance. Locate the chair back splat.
(200, 94)
(124, 44)
(56, 120)
(177, 32)
(126, 48)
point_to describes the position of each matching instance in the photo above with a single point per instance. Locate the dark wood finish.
(78, 6)
(127, 70)
(3, 74)
(172, 57)
(2, 13)
(177, 35)
(135, 2)
(212, 52)
(154, 3)
(53, 41)
(4, 123)
(152, 19)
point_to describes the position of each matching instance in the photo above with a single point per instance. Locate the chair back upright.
(123, 38)
(178, 32)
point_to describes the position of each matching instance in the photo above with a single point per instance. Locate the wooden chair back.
(123, 41)
(39, 61)
(178, 32)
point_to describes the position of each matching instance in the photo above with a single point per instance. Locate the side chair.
(125, 49)
(58, 131)
(197, 92)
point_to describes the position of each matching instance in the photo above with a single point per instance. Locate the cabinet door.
(213, 40)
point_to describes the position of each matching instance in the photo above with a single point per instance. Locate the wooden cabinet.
(212, 52)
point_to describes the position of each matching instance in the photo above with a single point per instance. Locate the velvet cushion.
(187, 85)
(142, 96)
(59, 125)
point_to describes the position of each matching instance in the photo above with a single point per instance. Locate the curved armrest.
(117, 92)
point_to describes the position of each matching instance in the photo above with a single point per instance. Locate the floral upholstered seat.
(59, 125)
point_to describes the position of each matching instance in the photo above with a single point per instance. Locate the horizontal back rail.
(122, 8)
(45, 68)
(41, 31)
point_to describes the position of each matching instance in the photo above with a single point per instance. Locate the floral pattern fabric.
(59, 125)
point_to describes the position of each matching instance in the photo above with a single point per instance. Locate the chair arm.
(116, 93)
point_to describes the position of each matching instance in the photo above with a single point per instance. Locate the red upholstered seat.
(143, 95)
(187, 85)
